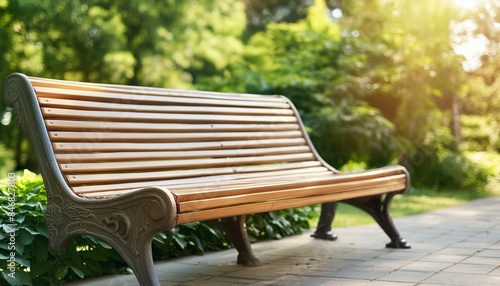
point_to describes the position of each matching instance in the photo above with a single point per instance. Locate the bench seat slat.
(127, 156)
(241, 195)
(60, 113)
(230, 172)
(84, 147)
(240, 184)
(95, 95)
(201, 109)
(182, 164)
(287, 190)
(69, 136)
(71, 125)
(198, 183)
(267, 206)
(188, 194)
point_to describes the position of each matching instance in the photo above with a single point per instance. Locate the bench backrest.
(108, 139)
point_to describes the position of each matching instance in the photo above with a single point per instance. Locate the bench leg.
(378, 207)
(128, 223)
(142, 265)
(236, 229)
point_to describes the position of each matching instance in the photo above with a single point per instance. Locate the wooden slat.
(41, 85)
(231, 172)
(182, 164)
(207, 183)
(130, 156)
(186, 146)
(267, 206)
(184, 193)
(60, 113)
(284, 191)
(201, 109)
(68, 136)
(249, 177)
(165, 98)
(71, 125)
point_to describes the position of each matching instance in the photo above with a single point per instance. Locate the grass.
(422, 200)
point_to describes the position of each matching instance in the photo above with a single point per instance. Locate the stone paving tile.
(495, 272)
(426, 266)
(388, 283)
(495, 246)
(312, 281)
(461, 279)
(454, 250)
(385, 263)
(437, 257)
(489, 253)
(360, 273)
(470, 268)
(482, 260)
(407, 254)
(406, 276)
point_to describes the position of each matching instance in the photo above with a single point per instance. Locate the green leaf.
(42, 252)
(18, 278)
(41, 268)
(23, 261)
(180, 242)
(25, 237)
(78, 272)
(61, 272)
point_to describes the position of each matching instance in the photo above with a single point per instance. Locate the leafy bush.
(279, 224)
(35, 265)
(353, 132)
(86, 256)
(479, 133)
(447, 169)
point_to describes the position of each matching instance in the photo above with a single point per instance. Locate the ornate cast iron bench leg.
(128, 223)
(235, 227)
(378, 207)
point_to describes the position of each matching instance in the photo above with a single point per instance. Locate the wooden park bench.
(123, 163)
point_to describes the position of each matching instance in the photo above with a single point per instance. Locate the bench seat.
(231, 195)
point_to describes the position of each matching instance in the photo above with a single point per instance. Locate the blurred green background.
(377, 82)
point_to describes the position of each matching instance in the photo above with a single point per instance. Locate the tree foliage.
(377, 84)
(153, 43)
(481, 94)
(380, 83)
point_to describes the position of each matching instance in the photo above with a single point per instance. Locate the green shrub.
(86, 256)
(479, 133)
(442, 168)
(279, 224)
(353, 133)
(35, 265)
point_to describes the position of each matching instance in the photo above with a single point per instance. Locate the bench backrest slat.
(69, 136)
(83, 105)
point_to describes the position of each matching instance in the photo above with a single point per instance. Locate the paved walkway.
(454, 246)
